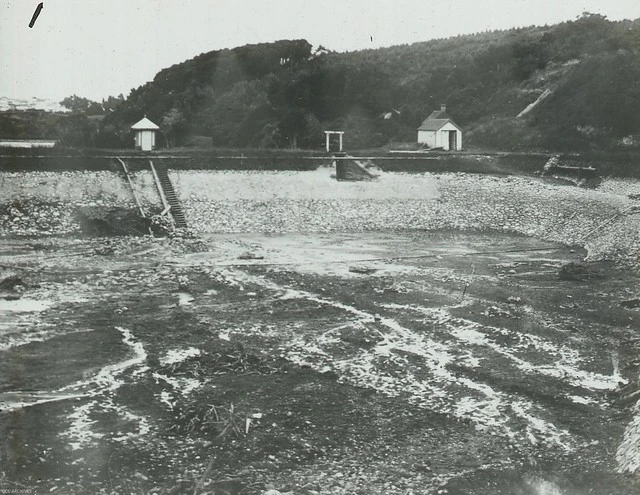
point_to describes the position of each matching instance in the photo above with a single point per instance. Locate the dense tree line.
(78, 104)
(284, 94)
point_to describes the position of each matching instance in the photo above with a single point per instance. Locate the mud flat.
(326, 363)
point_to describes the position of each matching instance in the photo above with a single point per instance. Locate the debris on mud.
(123, 245)
(104, 250)
(393, 288)
(183, 282)
(11, 284)
(250, 256)
(631, 303)
(362, 270)
(226, 357)
(183, 233)
(162, 225)
(210, 421)
(236, 358)
(276, 492)
(9, 280)
(323, 382)
(574, 271)
(628, 395)
(188, 245)
(96, 221)
(362, 336)
(495, 311)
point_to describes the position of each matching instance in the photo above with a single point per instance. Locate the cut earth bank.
(605, 220)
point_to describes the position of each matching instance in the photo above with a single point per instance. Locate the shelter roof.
(144, 125)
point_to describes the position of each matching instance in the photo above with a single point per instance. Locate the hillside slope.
(284, 94)
(579, 82)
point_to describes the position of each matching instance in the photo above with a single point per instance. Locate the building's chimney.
(443, 108)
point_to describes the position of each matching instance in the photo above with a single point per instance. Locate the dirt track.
(371, 363)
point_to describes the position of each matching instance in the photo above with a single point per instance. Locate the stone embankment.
(606, 221)
(294, 202)
(53, 203)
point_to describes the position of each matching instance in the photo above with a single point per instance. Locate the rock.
(183, 282)
(573, 271)
(10, 281)
(363, 270)
(104, 250)
(250, 256)
(495, 311)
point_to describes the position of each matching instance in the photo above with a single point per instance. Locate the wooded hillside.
(284, 94)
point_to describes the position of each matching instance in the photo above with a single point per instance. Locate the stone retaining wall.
(43, 203)
(46, 203)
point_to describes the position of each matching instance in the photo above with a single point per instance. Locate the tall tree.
(172, 126)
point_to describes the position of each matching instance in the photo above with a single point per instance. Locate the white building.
(145, 134)
(439, 131)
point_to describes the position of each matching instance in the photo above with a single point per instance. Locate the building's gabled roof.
(438, 114)
(144, 125)
(430, 124)
(436, 120)
(433, 124)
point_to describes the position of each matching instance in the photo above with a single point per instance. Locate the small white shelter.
(145, 134)
(439, 131)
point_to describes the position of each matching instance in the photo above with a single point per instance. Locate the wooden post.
(328, 139)
(163, 198)
(133, 190)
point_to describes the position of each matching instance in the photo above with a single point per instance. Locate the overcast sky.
(96, 48)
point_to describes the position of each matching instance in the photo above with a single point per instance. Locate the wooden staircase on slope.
(170, 194)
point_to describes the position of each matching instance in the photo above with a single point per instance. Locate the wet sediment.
(385, 363)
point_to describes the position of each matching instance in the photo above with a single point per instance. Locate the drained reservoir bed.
(391, 363)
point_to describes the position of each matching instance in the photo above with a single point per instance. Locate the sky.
(97, 48)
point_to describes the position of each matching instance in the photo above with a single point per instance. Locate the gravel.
(531, 207)
(44, 203)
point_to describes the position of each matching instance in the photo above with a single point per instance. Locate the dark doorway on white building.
(453, 140)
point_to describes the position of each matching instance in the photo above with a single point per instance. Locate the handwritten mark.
(36, 14)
